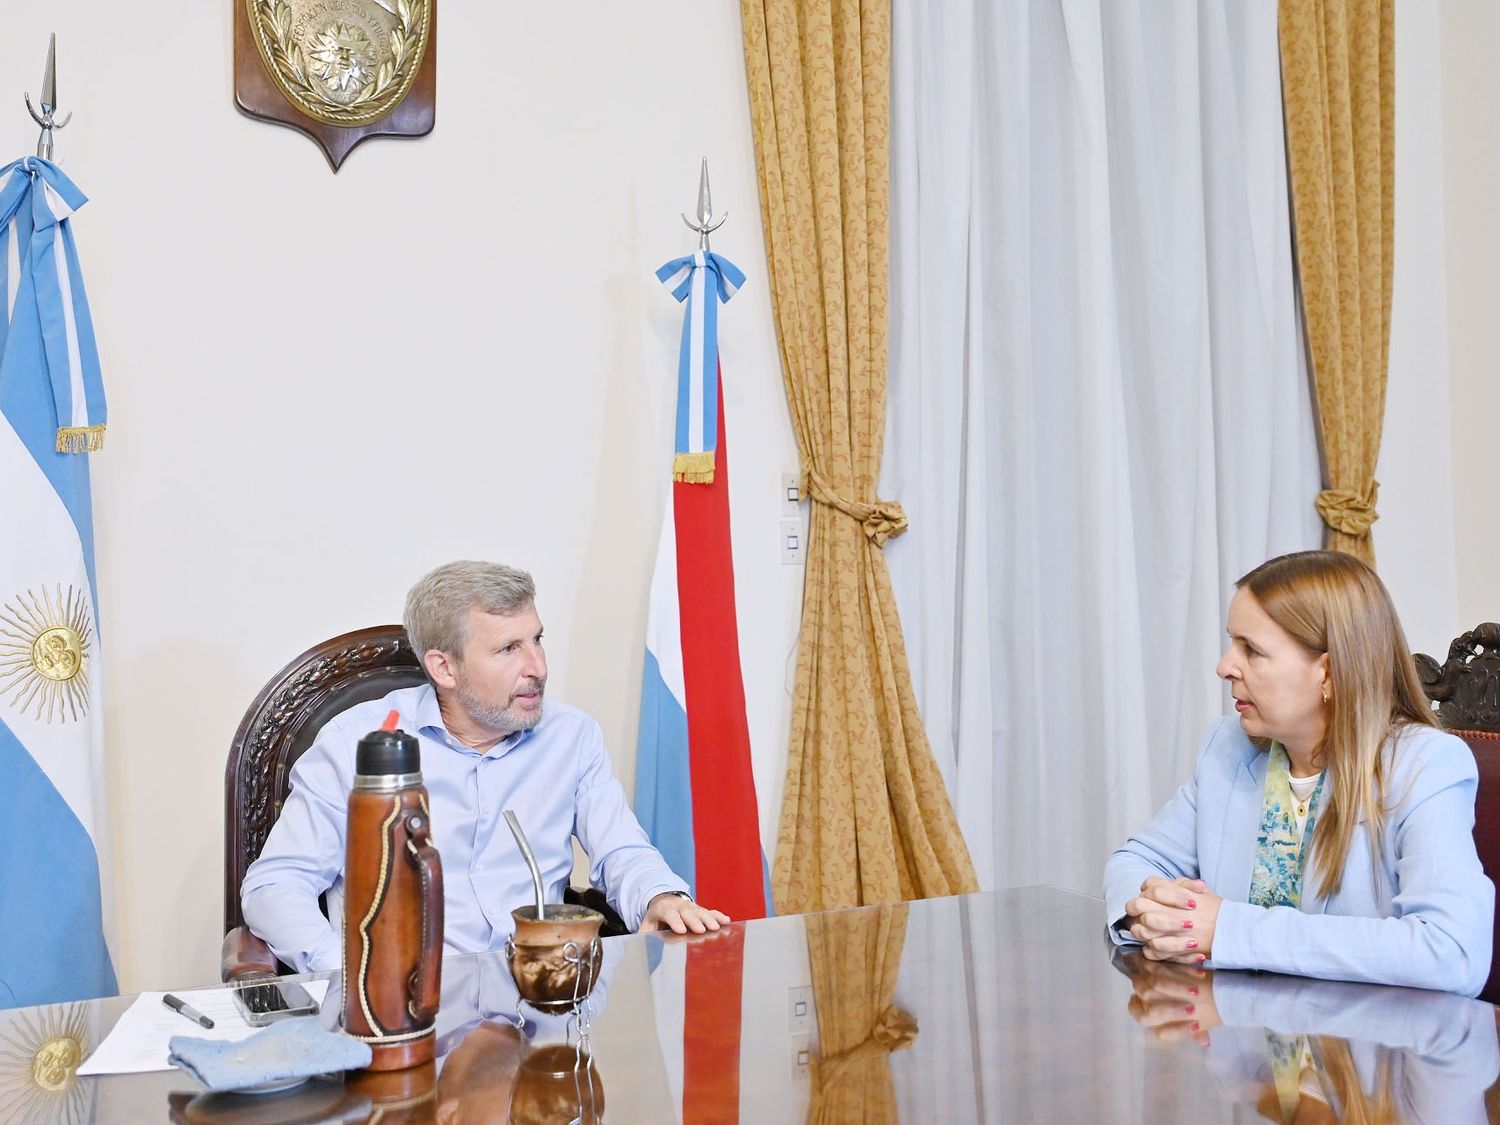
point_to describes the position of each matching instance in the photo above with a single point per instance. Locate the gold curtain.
(865, 818)
(855, 957)
(1338, 94)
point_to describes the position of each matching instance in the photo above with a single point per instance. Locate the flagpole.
(47, 118)
(706, 223)
(695, 785)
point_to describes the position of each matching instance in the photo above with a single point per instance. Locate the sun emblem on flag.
(39, 1056)
(45, 641)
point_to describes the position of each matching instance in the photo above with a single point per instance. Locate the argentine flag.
(694, 788)
(52, 945)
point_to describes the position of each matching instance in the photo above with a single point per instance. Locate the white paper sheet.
(138, 1041)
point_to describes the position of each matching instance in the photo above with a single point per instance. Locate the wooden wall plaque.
(340, 71)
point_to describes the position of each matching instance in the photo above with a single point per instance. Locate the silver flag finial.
(706, 223)
(49, 77)
(47, 117)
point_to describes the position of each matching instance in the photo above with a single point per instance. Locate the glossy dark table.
(1007, 1006)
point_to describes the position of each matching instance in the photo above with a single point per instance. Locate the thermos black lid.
(387, 752)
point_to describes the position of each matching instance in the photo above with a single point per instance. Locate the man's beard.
(502, 718)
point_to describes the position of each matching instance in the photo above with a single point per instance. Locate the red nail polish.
(1190, 1009)
(1193, 945)
(1192, 992)
(1202, 957)
(1188, 925)
(1192, 904)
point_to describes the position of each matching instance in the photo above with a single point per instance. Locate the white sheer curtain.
(1099, 414)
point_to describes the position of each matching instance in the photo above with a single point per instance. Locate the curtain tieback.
(881, 520)
(1348, 511)
(894, 1029)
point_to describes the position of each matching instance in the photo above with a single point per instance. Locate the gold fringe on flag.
(80, 439)
(693, 468)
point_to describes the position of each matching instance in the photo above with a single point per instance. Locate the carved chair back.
(282, 723)
(1465, 691)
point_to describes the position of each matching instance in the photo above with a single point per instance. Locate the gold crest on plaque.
(339, 70)
(342, 62)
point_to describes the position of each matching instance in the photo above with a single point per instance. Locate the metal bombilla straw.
(530, 857)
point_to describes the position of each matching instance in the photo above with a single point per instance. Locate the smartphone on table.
(264, 1000)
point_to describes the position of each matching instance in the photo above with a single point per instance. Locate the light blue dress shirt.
(555, 777)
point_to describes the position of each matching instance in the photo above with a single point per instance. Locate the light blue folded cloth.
(291, 1048)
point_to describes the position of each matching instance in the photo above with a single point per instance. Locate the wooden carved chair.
(282, 723)
(1465, 691)
(279, 726)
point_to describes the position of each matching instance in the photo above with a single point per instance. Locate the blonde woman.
(1329, 831)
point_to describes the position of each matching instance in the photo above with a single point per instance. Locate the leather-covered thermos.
(393, 905)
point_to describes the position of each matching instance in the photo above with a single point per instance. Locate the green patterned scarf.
(1280, 860)
(1279, 853)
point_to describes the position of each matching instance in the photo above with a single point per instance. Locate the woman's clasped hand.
(1174, 919)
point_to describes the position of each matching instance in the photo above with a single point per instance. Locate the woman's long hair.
(1332, 603)
(1348, 1099)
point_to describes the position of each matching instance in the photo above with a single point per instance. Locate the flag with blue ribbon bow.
(52, 945)
(695, 789)
(703, 279)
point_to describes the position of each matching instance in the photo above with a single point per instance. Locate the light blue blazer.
(1423, 917)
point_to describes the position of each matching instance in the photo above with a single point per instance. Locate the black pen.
(177, 1004)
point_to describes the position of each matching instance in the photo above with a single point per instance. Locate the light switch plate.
(801, 1057)
(799, 1005)
(793, 542)
(791, 495)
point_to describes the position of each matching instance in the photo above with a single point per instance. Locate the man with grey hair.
(487, 745)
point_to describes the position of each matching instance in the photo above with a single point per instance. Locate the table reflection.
(855, 958)
(498, 1060)
(1008, 1006)
(1299, 1050)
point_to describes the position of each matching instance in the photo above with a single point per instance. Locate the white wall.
(320, 386)
(1471, 170)
(1438, 539)
(1414, 539)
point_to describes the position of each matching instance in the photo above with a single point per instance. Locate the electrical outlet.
(793, 543)
(791, 493)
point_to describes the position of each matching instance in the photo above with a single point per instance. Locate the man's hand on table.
(670, 911)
